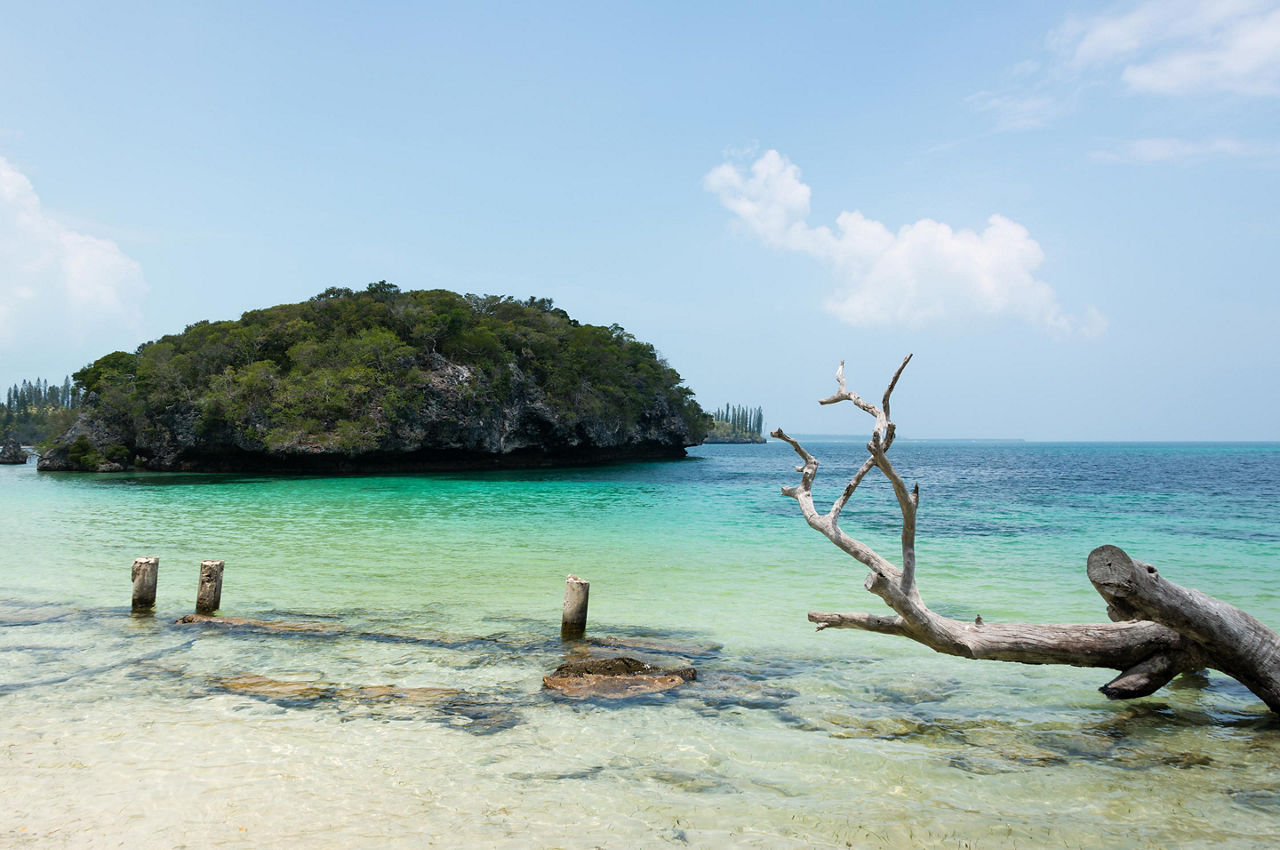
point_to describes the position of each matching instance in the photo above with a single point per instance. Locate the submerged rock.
(476, 714)
(278, 691)
(614, 678)
(264, 625)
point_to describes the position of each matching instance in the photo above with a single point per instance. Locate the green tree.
(347, 369)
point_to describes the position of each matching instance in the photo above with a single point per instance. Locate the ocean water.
(408, 711)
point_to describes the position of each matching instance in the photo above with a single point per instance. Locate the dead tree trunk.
(1158, 629)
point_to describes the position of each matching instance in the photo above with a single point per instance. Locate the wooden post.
(209, 592)
(145, 571)
(573, 625)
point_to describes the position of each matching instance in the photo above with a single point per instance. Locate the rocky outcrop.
(615, 677)
(381, 380)
(85, 446)
(11, 452)
(455, 428)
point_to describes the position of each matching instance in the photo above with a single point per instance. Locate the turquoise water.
(122, 730)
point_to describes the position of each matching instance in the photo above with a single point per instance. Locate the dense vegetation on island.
(736, 424)
(35, 411)
(381, 378)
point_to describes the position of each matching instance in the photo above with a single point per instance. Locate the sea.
(395, 696)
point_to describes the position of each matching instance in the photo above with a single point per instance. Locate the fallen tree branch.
(1233, 641)
(1158, 629)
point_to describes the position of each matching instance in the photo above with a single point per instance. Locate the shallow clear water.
(122, 730)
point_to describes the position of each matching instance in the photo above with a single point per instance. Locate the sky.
(1068, 211)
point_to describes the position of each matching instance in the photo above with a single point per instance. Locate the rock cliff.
(11, 452)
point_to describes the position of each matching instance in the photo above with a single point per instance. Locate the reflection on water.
(389, 690)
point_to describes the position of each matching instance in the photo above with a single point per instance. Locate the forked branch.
(1158, 631)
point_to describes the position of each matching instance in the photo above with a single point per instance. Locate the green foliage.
(114, 368)
(345, 368)
(83, 454)
(118, 453)
(37, 411)
(736, 424)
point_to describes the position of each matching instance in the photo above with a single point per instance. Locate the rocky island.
(736, 424)
(380, 380)
(11, 452)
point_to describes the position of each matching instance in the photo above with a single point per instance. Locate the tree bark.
(1233, 641)
(145, 575)
(573, 620)
(1158, 628)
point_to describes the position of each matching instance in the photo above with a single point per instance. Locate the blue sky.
(1068, 211)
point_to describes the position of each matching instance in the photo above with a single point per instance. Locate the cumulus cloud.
(925, 273)
(1181, 47)
(54, 277)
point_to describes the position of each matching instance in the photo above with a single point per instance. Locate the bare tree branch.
(823, 523)
(865, 622)
(1158, 629)
(893, 382)
(1117, 646)
(838, 505)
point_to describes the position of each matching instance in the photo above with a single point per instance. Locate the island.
(11, 452)
(736, 424)
(35, 411)
(380, 380)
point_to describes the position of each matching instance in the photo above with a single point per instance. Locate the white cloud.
(925, 273)
(1182, 47)
(1017, 111)
(1182, 150)
(1162, 48)
(57, 285)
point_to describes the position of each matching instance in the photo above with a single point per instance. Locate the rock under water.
(615, 677)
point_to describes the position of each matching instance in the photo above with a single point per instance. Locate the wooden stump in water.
(145, 572)
(209, 591)
(573, 624)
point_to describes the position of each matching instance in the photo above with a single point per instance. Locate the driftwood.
(1158, 628)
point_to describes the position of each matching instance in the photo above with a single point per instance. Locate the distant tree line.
(741, 420)
(736, 424)
(38, 410)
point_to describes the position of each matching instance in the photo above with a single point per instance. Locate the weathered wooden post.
(145, 571)
(573, 625)
(209, 592)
